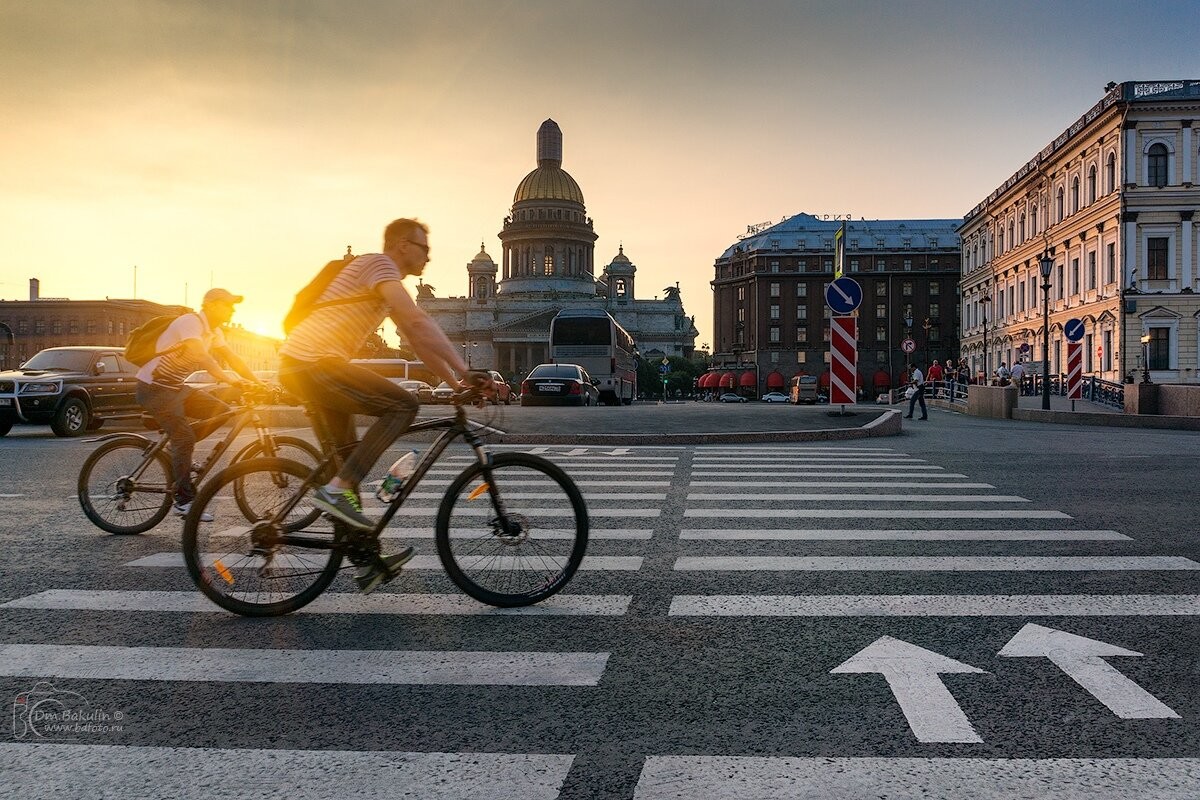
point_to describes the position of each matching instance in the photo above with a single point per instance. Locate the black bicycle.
(126, 485)
(511, 529)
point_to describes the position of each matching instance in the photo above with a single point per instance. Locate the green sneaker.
(371, 575)
(343, 505)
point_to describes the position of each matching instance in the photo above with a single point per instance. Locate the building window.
(1033, 226)
(881, 288)
(774, 266)
(773, 290)
(741, 315)
(801, 266)
(1060, 206)
(1091, 284)
(908, 265)
(854, 265)
(906, 288)
(1001, 249)
(1074, 276)
(801, 312)
(828, 265)
(801, 338)
(39, 326)
(935, 310)
(91, 326)
(1021, 228)
(774, 312)
(881, 311)
(1156, 258)
(620, 287)
(801, 290)
(1091, 185)
(74, 326)
(1110, 173)
(56, 326)
(825, 333)
(1111, 266)
(881, 265)
(1159, 348)
(1156, 165)
(741, 293)
(935, 287)
(881, 333)
(1074, 195)
(773, 335)
(775, 244)
(935, 333)
(1061, 282)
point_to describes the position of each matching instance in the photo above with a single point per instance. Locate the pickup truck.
(71, 389)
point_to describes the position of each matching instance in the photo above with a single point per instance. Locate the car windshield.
(555, 371)
(443, 385)
(412, 386)
(67, 360)
(200, 376)
(807, 379)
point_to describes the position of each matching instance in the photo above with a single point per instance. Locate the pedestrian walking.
(1018, 376)
(916, 382)
(951, 378)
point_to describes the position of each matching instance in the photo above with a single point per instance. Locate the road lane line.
(265, 665)
(328, 603)
(911, 535)
(854, 498)
(785, 484)
(879, 513)
(616, 534)
(932, 563)
(590, 563)
(201, 773)
(740, 777)
(905, 605)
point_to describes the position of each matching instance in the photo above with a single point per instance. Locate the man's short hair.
(400, 229)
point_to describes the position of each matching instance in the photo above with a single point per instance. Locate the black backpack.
(142, 344)
(306, 299)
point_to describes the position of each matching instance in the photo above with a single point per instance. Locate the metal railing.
(1096, 390)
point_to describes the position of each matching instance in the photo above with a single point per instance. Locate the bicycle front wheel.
(256, 568)
(116, 502)
(292, 449)
(516, 537)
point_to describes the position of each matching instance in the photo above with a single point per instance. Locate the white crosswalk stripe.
(908, 535)
(590, 563)
(933, 563)
(877, 513)
(974, 605)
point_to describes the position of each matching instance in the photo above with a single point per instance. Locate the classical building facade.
(27, 326)
(548, 264)
(1111, 201)
(770, 319)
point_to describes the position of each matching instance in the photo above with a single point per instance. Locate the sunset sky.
(245, 143)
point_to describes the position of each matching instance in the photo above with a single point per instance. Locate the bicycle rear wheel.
(292, 449)
(114, 501)
(517, 538)
(257, 568)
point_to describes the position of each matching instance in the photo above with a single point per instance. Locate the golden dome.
(548, 182)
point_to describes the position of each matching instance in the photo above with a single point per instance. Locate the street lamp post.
(987, 301)
(1046, 264)
(1146, 359)
(926, 325)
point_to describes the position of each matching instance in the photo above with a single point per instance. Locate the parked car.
(443, 393)
(421, 389)
(504, 392)
(71, 389)
(807, 390)
(559, 384)
(776, 397)
(730, 397)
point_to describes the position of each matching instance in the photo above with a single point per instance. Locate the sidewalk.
(1059, 403)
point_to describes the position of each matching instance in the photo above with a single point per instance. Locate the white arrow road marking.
(1082, 660)
(912, 675)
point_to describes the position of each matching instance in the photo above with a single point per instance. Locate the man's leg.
(912, 404)
(166, 406)
(921, 397)
(205, 408)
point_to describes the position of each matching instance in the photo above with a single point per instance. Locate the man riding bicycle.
(315, 365)
(192, 342)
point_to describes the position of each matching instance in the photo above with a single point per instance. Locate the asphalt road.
(970, 609)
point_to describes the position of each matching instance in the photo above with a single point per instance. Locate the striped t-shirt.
(173, 365)
(339, 330)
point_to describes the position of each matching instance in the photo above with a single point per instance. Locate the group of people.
(315, 366)
(945, 379)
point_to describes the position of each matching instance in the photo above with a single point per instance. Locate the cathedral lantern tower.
(481, 277)
(548, 238)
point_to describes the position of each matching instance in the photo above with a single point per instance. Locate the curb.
(1107, 420)
(886, 424)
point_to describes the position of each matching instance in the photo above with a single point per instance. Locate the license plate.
(5, 401)
(550, 387)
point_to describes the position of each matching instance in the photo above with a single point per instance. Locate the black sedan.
(559, 385)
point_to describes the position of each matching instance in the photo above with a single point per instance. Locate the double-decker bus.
(592, 339)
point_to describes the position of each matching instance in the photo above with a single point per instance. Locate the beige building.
(1111, 200)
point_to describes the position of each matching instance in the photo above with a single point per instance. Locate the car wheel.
(72, 418)
(95, 424)
(5, 426)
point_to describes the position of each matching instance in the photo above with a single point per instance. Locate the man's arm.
(235, 361)
(194, 349)
(440, 355)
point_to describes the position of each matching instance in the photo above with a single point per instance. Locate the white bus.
(592, 339)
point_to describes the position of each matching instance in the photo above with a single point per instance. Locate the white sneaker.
(182, 509)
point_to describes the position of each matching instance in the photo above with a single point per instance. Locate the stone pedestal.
(996, 402)
(1141, 398)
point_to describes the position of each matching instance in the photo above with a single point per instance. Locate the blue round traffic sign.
(843, 295)
(1073, 330)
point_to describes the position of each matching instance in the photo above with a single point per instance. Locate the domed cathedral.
(547, 264)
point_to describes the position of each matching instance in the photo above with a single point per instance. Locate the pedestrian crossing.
(690, 537)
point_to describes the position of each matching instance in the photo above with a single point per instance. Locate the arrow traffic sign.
(1073, 330)
(843, 295)
(908, 345)
(1082, 660)
(912, 675)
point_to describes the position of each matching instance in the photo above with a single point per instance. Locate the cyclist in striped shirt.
(315, 365)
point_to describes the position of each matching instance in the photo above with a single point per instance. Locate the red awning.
(726, 380)
(702, 381)
(748, 378)
(775, 381)
(711, 379)
(882, 381)
(824, 380)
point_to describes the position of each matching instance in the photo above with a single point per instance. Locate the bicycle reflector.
(223, 572)
(477, 491)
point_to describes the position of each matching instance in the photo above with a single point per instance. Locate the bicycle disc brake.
(511, 529)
